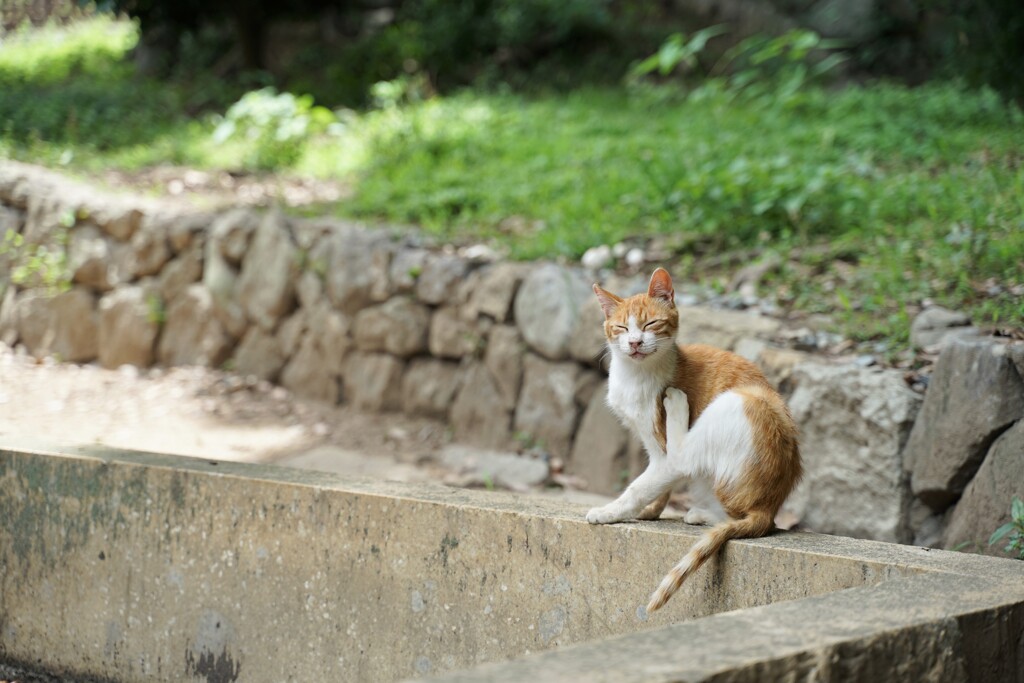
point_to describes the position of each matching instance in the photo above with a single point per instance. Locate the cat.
(702, 413)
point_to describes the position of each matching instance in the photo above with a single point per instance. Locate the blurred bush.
(275, 126)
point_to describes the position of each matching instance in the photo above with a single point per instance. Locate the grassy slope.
(915, 193)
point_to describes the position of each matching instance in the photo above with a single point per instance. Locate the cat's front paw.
(607, 514)
(677, 420)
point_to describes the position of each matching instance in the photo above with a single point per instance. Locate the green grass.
(879, 196)
(920, 191)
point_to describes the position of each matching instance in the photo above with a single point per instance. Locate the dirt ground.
(210, 414)
(203, 413)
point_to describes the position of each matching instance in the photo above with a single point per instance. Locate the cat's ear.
(609, 302)
(661, 287)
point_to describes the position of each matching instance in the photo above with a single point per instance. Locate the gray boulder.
(547, 410)
(150, 249)
(429, 387)
(330, 331)
(975, 393)
(259, 354)
(504, 359)
(118, 219)
(495, 291)
(588, 343)
(344, 255)
(854, 423)
(405, 269)
(47, 214)
(182, 271)
(8, 319)
(588, 382)
(547, 308)
(724, 329)
(76, 323)
(985, 504)
(192, 334)
(11, 219)
(221, 279)
(62, 325)
(129, 326)
(932, 325)
(290, 332)
(398, 326)
(599, 450)
(310, 289)
(451, 336)
(90, 259)
(33, 321)
(373, 381)
(231, 232)
(440, 278)
(266, 285)
(182, 229)
(479, 467)
(305, 374)
(479, 416)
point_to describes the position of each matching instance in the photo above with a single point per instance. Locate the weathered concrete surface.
(881, 633)
(139, 567)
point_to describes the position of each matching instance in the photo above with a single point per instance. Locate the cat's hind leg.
(705, 507)
(654, 510)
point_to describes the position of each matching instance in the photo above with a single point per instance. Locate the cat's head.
(642, 326)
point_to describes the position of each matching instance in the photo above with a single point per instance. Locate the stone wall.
(379, 318)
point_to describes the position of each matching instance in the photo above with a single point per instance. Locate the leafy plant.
(275, 126)
(38, 265)
(1013, 530)
(156, 311)
(770, 68)
(678, 49)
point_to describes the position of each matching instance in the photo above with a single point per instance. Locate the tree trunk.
(250, 28)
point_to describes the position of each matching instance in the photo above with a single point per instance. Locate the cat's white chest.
(634, 399)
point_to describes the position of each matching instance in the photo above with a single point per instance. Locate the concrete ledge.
(139, 567)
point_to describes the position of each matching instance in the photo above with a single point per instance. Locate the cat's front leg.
(677, 422)
(615, 511)
(655, 481)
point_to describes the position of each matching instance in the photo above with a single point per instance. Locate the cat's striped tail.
(755, 524)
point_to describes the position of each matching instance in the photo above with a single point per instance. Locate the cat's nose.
(634, 345)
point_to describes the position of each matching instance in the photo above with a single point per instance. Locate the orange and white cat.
(702, 413)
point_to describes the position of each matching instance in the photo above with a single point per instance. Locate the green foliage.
(51, 55)
(920, 188)
(156, 311)
(454, 39)
(71, 86)
(678, 49)
(38, 265)
(275, 126)
(771, 69)
(984, 42)
(1013, 530)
